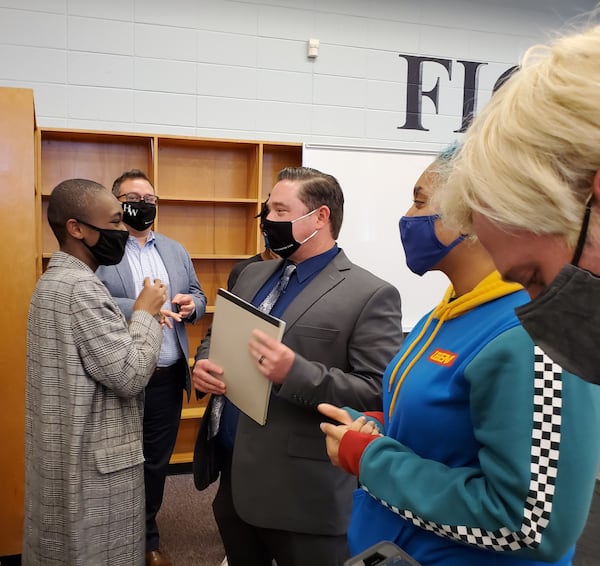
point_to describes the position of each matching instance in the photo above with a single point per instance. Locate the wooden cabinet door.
(18, 245)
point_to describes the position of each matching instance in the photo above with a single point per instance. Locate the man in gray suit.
(151, 254)
(279, 497)
(86, 373)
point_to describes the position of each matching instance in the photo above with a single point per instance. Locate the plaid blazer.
(86, 372)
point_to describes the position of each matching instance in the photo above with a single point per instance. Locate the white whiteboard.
(377, 186)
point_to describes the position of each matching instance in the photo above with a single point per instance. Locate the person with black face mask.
(148, 253)
(86, 372)
(471, 461)
(527, 183)
(279, 498)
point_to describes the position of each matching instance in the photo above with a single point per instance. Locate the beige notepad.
(233, 323)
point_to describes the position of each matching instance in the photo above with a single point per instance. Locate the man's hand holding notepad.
(233, 323)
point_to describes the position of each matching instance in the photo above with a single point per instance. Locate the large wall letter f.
(415, 92)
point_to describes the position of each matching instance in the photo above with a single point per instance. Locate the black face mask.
(110, 247)
(280, 237)
(564, 319)
(139, 215)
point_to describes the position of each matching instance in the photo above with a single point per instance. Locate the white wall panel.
(164, 108)
(386, 96)
(239, 68)
(177, 13)
(171, 44)
(288, 23)
(393, 36)
(283, 55)
(281, 117)
(100, 36)
(406, 11)
(34, 29)
(341, 61)
(32, 64)
(229, 114)
(338, 121)
(100, 104)
(55, 6)
(441, 41)
(226, 48)
(98, 69)
(51, 100)
(107, 9)
(340, 91)
(283, 86)
(339, 29)
(165, 76)
(231, 17)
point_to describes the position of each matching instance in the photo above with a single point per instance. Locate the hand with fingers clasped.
(184, 305)
(335, 433)
(152, 296)
(273, 359)
(205, 377)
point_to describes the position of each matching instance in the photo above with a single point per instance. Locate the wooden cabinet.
(18, 223)
(210, 192)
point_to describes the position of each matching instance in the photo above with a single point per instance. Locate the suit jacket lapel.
(124, 272)
(331, 275)
(170, 266)
(254, 279)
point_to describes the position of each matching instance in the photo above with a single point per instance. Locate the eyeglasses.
(135, 197)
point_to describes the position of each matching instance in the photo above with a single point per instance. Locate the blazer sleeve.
(182, 275)
(365, 348)
(195, 290)
(120, 356)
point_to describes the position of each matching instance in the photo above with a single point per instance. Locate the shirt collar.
(150, 240)
(313, 265)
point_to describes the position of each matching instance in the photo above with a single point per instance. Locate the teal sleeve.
(532, 491)
(376, 417)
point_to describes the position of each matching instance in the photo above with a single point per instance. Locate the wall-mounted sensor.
(313, 48)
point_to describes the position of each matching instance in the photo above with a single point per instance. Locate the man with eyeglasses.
(150, 254)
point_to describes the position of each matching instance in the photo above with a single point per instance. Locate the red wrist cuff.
(351, 448)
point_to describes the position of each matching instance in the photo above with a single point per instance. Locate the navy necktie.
(269, 301)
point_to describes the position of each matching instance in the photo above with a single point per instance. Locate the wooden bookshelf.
(210, 192)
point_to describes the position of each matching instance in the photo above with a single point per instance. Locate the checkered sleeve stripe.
(545, 444)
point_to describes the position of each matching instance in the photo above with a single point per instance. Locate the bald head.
(73, 198)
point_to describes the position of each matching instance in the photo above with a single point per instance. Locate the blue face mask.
(422, 248)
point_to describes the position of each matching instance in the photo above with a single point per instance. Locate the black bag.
(384, 552)
(206, 465)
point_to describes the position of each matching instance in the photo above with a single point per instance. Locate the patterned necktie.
(267, 304)
(270, 300)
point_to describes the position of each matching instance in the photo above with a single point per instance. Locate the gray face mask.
(565, 321)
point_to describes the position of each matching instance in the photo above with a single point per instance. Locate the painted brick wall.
(239, 69)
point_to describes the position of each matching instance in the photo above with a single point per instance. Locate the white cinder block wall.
(239, 69)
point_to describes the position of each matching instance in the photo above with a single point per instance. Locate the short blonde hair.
(529, 158)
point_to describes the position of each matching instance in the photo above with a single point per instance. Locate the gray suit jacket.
(345, 327)
(182, 277)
